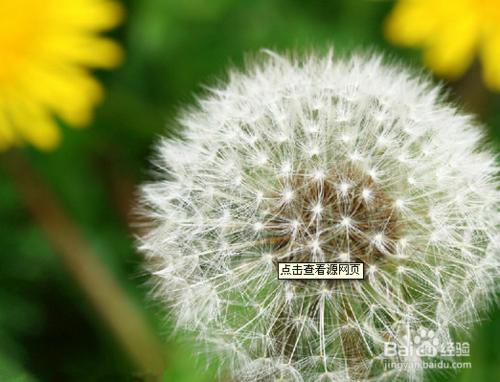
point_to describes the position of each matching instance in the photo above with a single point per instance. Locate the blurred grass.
(48, 331)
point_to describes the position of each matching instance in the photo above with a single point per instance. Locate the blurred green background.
(48, 330)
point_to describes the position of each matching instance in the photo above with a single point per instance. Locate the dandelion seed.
(314, 151)
(287, 195)
(400, 203)
(367, 194)
(295, 225)
(345, 138)
(317, 209)
(258, 227)
(355, 157)
(318, 175)
(346, 222)
(344, 188)
(344, 257)
(259, 195)
(315, 246)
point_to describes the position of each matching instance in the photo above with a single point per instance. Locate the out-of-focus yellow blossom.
(451, 33)
(46, 50)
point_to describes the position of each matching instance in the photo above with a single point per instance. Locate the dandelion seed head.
(367, 172)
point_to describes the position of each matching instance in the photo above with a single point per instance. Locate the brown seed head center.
(337, 216)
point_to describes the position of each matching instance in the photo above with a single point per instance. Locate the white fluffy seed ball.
(322, 159)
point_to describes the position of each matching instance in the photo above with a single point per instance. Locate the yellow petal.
(85, 49)
(490, 57)
(411, 22)
(94, 15)
(447, 32)
(451, 51)
(7, 136)
(34, 124)
(46, 50)
(68, 91)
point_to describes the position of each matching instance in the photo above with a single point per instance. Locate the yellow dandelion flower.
(451, 33)
(46, 50)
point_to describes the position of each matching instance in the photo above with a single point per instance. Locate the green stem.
(100, 287)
